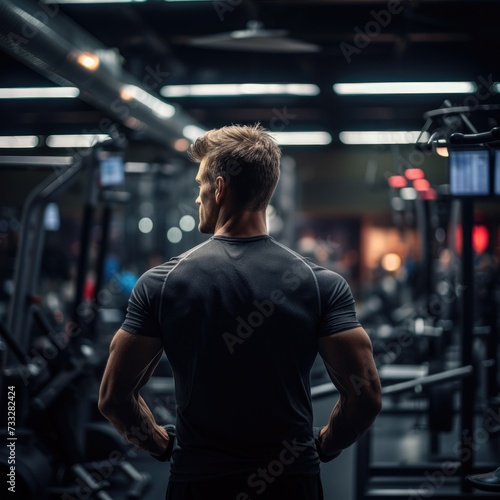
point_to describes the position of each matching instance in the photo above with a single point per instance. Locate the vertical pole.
(362, 465)
(467, 331)
(100, 268)
(85, 237)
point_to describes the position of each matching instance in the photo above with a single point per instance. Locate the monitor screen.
(469, 172)
(497, 171)
(112, 170)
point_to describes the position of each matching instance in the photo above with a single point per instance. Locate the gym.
(387, 116)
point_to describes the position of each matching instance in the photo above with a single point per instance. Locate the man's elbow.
(104, 406)
(372, 401)
(108, 406)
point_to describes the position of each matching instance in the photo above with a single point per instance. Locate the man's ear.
(220, 189)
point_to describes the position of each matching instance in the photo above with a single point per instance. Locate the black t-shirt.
(239, 319)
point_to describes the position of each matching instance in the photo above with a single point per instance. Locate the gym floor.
(401, 440)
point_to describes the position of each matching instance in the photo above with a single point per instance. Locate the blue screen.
(112, 170)
(469, 173)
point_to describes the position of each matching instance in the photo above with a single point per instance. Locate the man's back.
(240, 320)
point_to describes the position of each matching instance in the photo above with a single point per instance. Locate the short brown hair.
(246, 156)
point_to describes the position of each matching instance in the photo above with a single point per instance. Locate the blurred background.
(100, 101)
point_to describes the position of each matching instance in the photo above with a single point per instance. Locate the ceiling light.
(404, 88)
(381, 137)
(38, 92)
(240, 89)
(75, 140)
(302, 138)
(159, 108)
(18, 141)
(93, 1)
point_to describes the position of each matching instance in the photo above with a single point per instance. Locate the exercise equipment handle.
(436, 378)
(481, 138)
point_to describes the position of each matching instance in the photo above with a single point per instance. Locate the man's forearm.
(133, 419)
(348, 422)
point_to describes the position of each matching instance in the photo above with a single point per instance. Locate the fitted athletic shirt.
(239, 319)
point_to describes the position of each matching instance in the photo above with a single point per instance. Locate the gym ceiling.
(158, 45)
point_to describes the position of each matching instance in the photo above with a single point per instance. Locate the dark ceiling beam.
(43, 38)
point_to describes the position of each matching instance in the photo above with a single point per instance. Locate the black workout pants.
(300, 487)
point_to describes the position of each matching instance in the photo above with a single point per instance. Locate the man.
(241, 319)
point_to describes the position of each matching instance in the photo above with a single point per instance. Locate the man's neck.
(243, 224)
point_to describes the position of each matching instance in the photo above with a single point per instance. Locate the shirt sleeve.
(338, 311)
(142, 316)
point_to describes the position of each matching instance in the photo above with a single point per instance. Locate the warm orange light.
(88, 61)
(414, 173)
(442, 151)
(391, 262)
(397, 181)
(421, 184)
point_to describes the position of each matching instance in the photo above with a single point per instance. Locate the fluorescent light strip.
(404, 88)
(302, 138)
(240, 89)
(18, 141)
(75, 140)
(48, 161)
(93, 1)
(381, 137)
(38, 92)
(159, 108)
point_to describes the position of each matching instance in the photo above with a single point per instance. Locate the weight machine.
(61, 452)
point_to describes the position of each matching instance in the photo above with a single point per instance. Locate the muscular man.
(241, 319)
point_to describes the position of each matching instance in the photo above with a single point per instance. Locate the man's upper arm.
(131, 362)
(348, 357)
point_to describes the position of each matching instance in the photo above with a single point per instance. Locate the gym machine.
(49, 374)
(474, 167)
